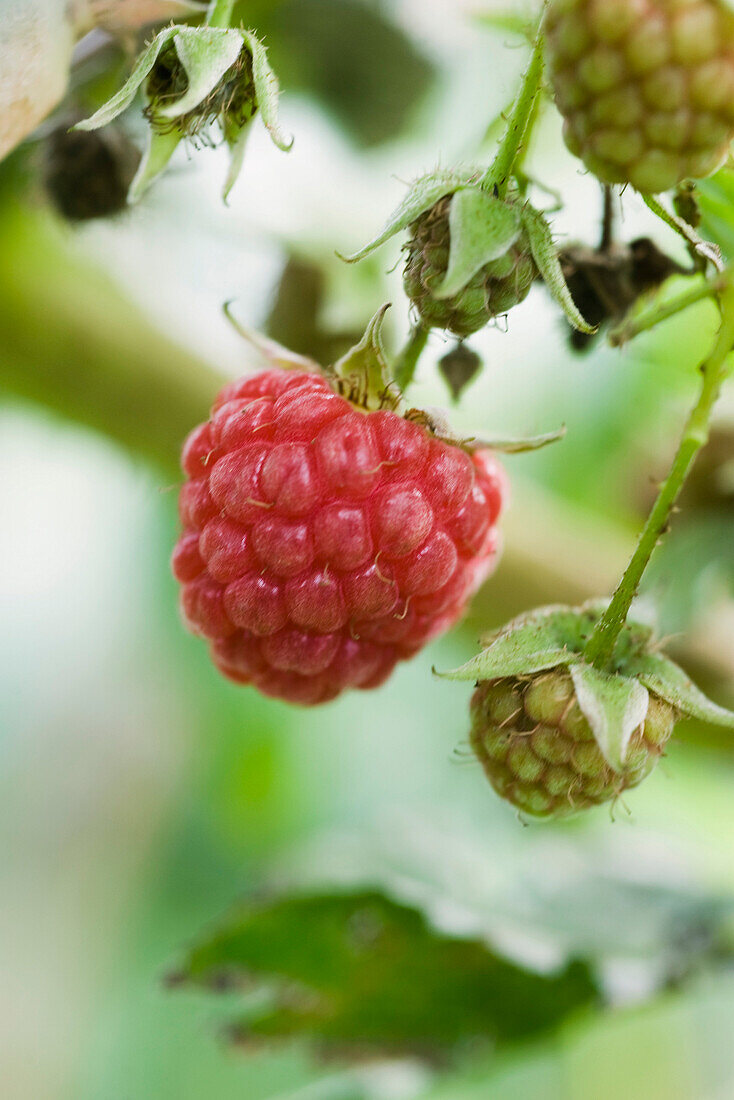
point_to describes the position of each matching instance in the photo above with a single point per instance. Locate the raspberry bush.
(330, 528)
(323, 543)
(334, 523)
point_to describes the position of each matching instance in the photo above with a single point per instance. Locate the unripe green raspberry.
(492, 291)
(538, 751)
(646, 87)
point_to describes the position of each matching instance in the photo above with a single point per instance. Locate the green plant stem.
(705, 249)
(714, 369)
(628, 329)
(499, 173)
(408, 357)
(220, 13)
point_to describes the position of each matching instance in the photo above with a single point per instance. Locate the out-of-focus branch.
(70, 340)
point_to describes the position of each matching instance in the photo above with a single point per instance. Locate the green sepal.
(613, 705)
(206, 53)
(121, 100)
(519, 445)
(159, 150)
(666, 679)
(545, 255)
(481, 229)
(267, 91)
(533, 642)
(236, 138)
(365, 368)
(420, 197)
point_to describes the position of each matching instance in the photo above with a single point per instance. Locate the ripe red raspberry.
(323, 543)
(646, 87)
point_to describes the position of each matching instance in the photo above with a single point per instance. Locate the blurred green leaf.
(693, 569)
(367, 73)
(716, 202)
(361, 975)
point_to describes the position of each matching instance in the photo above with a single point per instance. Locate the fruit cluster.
(539, 752)
(323, 543)
(494, 289)
(646, 87)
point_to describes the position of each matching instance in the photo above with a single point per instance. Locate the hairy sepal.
(482, 228)
(421, 196)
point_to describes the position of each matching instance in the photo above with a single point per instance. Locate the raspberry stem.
(704, 249)
(407, 360)
(499, 173)
(220, 13)
(714, 370)
(628, 329)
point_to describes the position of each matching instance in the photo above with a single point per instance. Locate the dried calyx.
(193, 77)
(232, 100)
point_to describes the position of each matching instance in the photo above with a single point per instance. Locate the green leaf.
(361, 62)
(482, 228)
(206, 54)
(158, 152)
(365, 365)
(361, 976)
(614, 707)
(666, 679)
(533, 642)
(122, 99)
(236, 138)
(420, 197)
(545, 255)
(266, 91)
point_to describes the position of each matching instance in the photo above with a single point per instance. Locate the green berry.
(538, 750)
(492, 291)
(646, 87)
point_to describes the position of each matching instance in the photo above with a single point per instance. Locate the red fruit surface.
(322, 544)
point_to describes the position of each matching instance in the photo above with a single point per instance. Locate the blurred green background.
(141, 795)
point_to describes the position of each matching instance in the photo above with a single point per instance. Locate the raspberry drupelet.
(321, 543)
